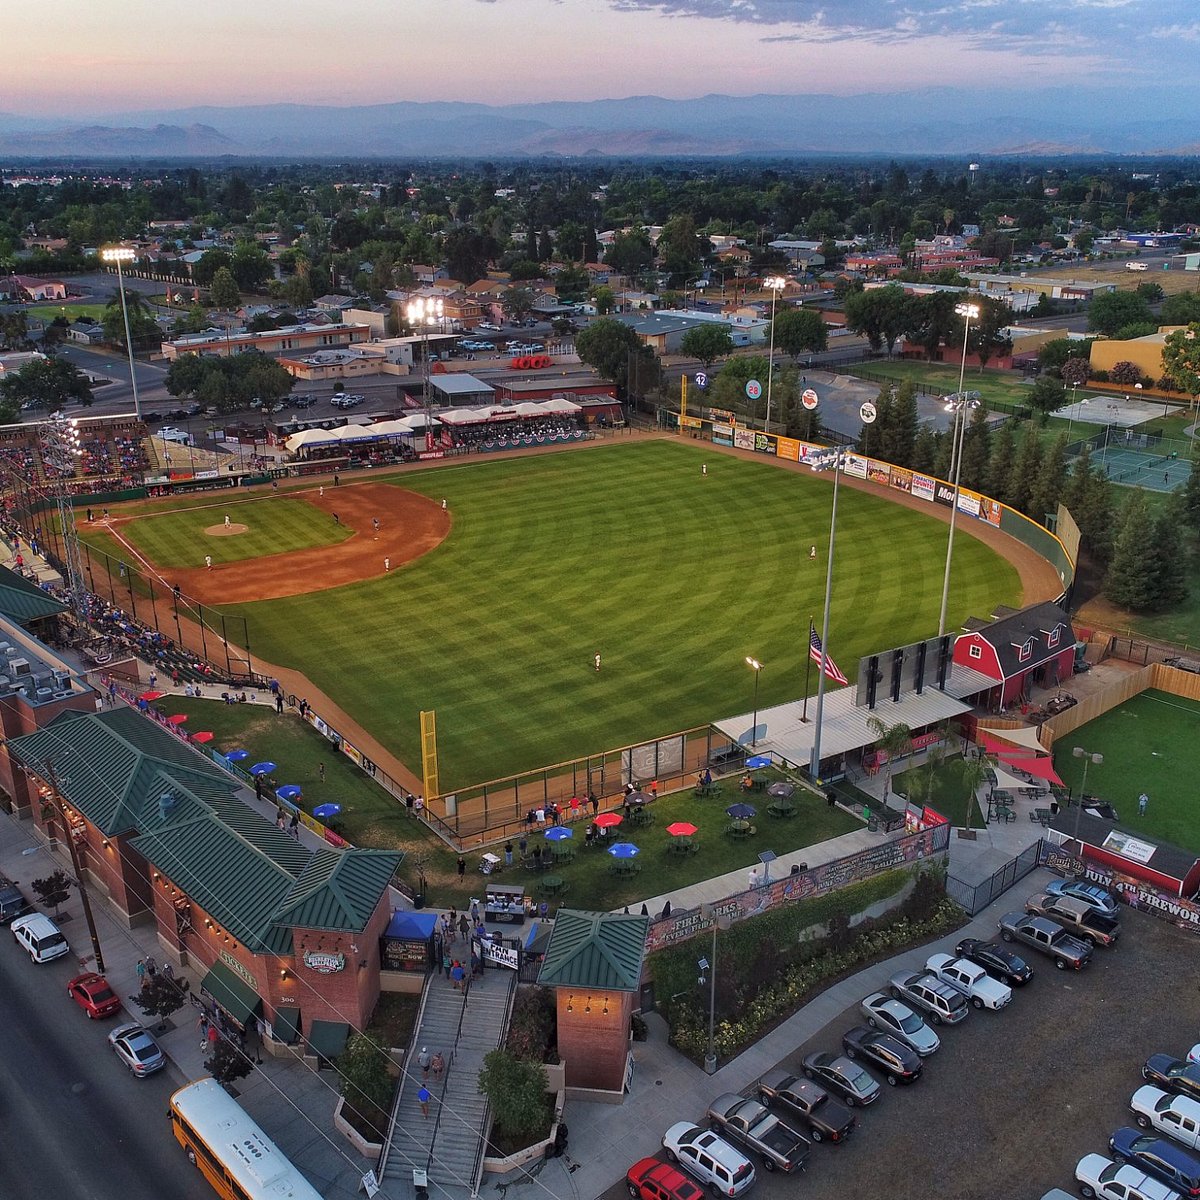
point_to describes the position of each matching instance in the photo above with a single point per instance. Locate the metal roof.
(844, 723)
(338, 891)
(596, 950)
(24, 601)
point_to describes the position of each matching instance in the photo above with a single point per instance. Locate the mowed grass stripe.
(273, 526)
(627, 550)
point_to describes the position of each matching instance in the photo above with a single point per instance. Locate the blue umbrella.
(262, 768)
(759, 760)
(289, 791)
(237, 755)
(741, 812)
(624, 850)
(324, 811)
(559, 833)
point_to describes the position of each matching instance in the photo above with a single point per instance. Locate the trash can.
(873, 823)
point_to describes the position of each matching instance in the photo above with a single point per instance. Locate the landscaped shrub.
(533, 1029)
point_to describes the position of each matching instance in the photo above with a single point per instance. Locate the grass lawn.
(370, 817)
(275, 526)
(950, 795)
(51, 312)
(626, 550)
(1005, 386)
(1147, 744)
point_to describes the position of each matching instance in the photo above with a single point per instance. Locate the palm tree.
(894, 740)
(974, 776)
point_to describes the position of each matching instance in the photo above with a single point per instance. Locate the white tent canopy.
(400, 428)
(355, 433)
(310, 437)
(1024, 736)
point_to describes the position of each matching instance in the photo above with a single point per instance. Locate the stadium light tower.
(61, 452)
(426, 311)
(756, 667)
(776, 283)
(118, 255)
(960, 406)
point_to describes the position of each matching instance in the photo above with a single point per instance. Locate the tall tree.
(905, 422)
(931, 321)
(986, 336)
(1051, 480)
(976, 451)
(1191, 497)
(1110, 311)
(707, 342)
(800, 331)
(1000, 463)
(895, 741)
(1130, 582)
(142, 327)
(617, 352)
(224, 292)
(1025, 466)
(881, 315)
(1169, 560)
(49, 383)
(1181, 360)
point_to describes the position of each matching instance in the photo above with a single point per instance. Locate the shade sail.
(1040, 768)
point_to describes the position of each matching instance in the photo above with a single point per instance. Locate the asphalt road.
(75, 1122)
(1013, 1100)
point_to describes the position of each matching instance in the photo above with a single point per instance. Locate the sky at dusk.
(103, 59)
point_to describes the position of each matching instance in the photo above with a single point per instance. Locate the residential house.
(1018, 650)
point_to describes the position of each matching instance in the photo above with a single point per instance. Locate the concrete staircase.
(447, 1143)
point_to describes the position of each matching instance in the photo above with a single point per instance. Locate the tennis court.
(1142, 460)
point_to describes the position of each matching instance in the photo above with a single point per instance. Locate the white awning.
(310, 437)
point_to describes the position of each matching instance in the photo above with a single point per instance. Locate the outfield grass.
(275, 526)
(1147, 744)
(371, 817)
(626, 550)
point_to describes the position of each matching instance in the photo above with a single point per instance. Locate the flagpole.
(814, 766)
(807, 672)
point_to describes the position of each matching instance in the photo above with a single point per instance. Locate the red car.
(651, 1179)
(92, 993)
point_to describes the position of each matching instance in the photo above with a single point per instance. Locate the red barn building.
(1034, 646)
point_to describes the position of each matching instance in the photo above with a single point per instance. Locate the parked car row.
(816, 1101)
(133, 1045)
(1164, 1163)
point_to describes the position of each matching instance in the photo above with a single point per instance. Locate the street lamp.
(718, 923)
(1088, 759)
(776, 283)
(756, 666)
(425, 312)
(118, 255)
(959, 405)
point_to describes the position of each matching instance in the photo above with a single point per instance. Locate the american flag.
(814, 652)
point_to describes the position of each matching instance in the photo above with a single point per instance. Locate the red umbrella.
(177, 719)
(681, 829)
(149, 696)
(608, 820)
(202, 737)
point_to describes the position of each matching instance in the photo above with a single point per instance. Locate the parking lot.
(1014, 1099)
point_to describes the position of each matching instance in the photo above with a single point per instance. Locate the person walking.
(812, 554)
(387, 565)
(447, 961)
(596, 660)
(443, 506)
(208, 562)
(214, 1035)
(456, 975)
(336, 519)
(753, 880)
(226, 520)
(279, 702)
(375, 525)
(141, 973)
(1143, 801)
(438, 1065)
(523, 845)
(321, 491)
(508, 854)
(462, 866)
(464, 926)
(423, 1098)
(202, 1025)
(704, 468)
(424, 1059)
(294, 826)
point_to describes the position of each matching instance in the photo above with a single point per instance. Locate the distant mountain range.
(934, 121)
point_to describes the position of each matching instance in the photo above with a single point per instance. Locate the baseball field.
(490, 610)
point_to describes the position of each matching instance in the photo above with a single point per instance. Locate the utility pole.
(57, 801)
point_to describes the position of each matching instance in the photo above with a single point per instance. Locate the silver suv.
(722, 1167)
(945, 1004)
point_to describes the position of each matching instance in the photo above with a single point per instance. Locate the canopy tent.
(1012, 783)
(1019, 741)
(310, 437)
(1040, 768)
(529, 408)
(560, 404)
(462, 416)
(411, 924)
(400, 428)
(356, 433)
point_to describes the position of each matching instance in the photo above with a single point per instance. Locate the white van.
(40, 937)
(1135, 266)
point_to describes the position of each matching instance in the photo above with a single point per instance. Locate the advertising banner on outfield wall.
(989, 511)
(787, 448)
(791, 888)
(722, 434)
(902, 479)
(764, 443)
(943, 493)
(855, 465)
(878, 472)
(743, 439)
(968, 502)
(923, 485)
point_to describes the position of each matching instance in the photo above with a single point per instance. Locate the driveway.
(1013, 1100)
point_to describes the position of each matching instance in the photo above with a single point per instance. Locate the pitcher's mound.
(225, 530)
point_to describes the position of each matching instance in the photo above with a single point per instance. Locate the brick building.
(594, 964)
(274, 929)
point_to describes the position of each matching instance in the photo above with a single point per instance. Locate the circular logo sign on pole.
(701, 379)
(809, 399)
(753, 389)
(868, 413)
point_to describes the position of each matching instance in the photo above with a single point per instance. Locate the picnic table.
(782, 808)
(552, 885)
(1041, 816)
(739, 830)
(640, 815)
(561, 852)
(682, 847)
(706, 791)
(624, 866)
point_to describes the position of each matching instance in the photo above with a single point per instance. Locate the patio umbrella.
(237, 755)
(203, 736)
(742, 812)
(559, 833)
(624, 850)
(289, 791)
(782, 789)
(325, 811)
(149, 696)
(759, 760)
(177, 719)
(262, 768)
(608, 820)
(638, 798)
(682, 829)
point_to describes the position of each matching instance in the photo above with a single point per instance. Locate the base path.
(409, 525)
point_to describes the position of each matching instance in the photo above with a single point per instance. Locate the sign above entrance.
(323, 962)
